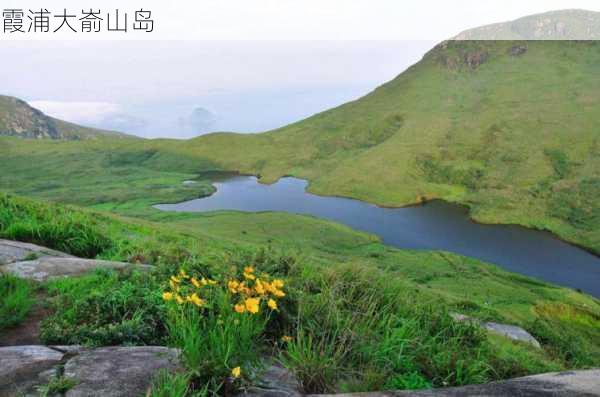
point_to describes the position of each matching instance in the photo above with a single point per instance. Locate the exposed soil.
(28, 332)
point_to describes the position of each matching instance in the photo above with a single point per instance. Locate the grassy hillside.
(510, 129)
(17, 118)
(333, 276)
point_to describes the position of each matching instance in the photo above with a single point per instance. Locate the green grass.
(362, 316)
(514, 138)
(17, 300)
(105, 308)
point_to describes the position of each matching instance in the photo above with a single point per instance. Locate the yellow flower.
(278, 283)
(272, 304)
(196, 282)
(252, 305)
(233, 286)
(248, 269)
(196, 300)
(249, 276)
(167, 296)
(236, 372)
(259, 287)
(286, 338)
(211, 282)
(183, 274)
(279, 293)
(176, 280)
(179, 299)
(174, 285)
(240, 308)
(203, 281)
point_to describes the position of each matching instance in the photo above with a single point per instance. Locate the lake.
(435, 226)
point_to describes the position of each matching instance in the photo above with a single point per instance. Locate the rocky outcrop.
(108, 371)
(118, 371)
(558, 384)
(274, 381)
(20, 366)
(16, 251)
(48, 267)
(510, 331)
(37, 263)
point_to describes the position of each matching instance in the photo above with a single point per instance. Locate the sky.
(233, 65)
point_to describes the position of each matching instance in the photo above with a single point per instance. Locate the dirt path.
(28, 332)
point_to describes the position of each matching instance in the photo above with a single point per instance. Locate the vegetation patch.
(16, 302)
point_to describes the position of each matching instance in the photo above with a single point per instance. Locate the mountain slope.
(554, 25)
(509, 128)
(17, 118)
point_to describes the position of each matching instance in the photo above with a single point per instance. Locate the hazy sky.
(218, 75)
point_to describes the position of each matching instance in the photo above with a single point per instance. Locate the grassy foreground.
(351, 315)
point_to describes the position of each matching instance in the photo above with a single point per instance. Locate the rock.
(15, 251)
(21, 366)
(275, 381)
(510, 331)
(46, 268)
(118, 371)
(189, 183)
(476, 59)
(558, 384)
(518, 50)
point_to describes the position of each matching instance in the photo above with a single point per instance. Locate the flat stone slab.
(21, 365)
(510, 331)
(46, 268)
(118, 371)
(16, 251)
(557, 384)
(274, 381)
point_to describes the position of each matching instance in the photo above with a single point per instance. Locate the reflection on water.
(436, 226)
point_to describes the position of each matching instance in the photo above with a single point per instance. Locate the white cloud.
(78, 112)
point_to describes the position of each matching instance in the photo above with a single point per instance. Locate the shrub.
(105, 308)
(219, 325)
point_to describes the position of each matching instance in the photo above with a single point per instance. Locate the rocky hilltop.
(555, 25)
(17, 118)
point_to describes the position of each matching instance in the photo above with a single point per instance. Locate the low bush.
(105, 308)
(219, 324)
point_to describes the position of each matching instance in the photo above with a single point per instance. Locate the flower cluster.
(251, 291)
(185, 289)
(248, 292)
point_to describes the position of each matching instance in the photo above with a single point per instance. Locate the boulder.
(557, 384)
(510, 331)
(118, 371)
(275, 381)
(48, 267)
(21, 366)
(16, 251)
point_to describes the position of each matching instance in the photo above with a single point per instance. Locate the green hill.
(510, 129)
(17, 118)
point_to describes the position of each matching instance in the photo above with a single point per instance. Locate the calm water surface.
(435, 226)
